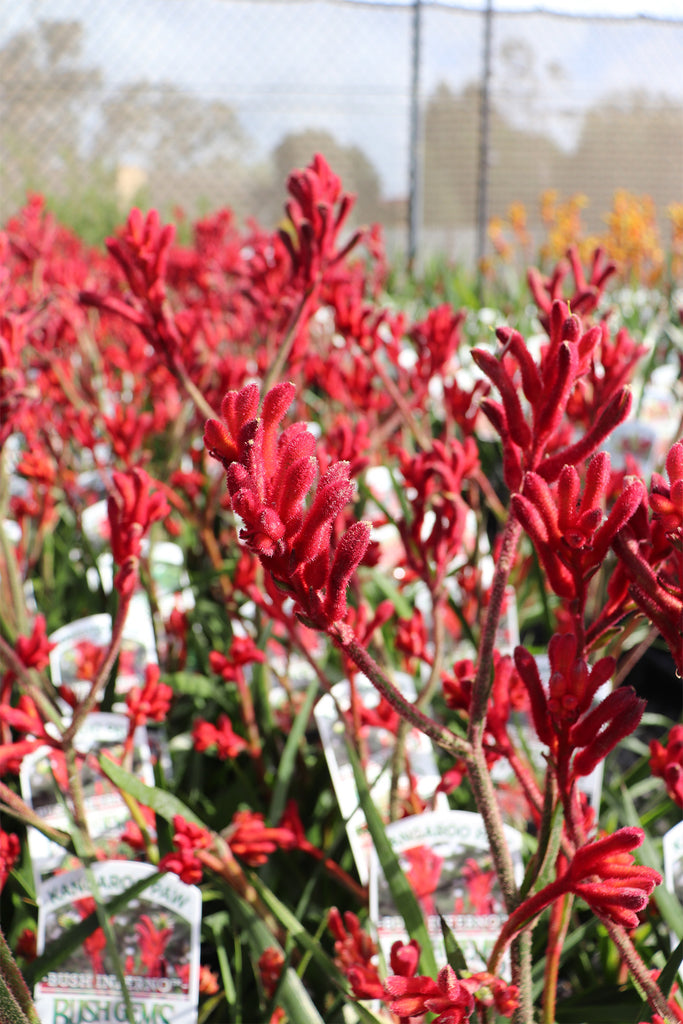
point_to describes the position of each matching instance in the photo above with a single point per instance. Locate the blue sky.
(345, 66)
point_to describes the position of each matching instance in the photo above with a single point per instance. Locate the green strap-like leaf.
(165, 804)
(401, 890)
(454, 954)
(293, 996)
(285, 769)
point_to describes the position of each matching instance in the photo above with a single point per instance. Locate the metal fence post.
(414, 148)
(484, 141)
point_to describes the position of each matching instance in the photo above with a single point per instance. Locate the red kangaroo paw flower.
(269, 476)
(623, 887)
(150, 702)
(252, 840)
(132, 508)
(614, 413)
(667, 501)
(578, 736)
(183, 861)
(531, 440)
(666, 762)
(447, 997)
(602, 728)
(355, 952)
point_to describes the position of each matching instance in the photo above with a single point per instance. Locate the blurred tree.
(634, 142)
(522, 163)
(42, 106)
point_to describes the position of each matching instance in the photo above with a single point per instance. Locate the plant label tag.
(446, 858)
(154, 946)
(43, 778)
(344, 711)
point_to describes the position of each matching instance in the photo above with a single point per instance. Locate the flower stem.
(440, 734)
(559, 922)
(642, 976)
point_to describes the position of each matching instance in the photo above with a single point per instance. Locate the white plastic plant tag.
(156, 939)
(377, 746)
(446, 857)
(82, 646)
(43, 773)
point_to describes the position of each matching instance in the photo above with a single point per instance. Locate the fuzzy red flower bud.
(447, 997)
(132, 508)
(622, 888)
(269, 477)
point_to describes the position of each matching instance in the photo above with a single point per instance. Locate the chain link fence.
(197, 104)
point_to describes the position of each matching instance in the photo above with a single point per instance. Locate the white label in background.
(43, 775)
(446, 857)
(156, 937)
(83, 643)
(379, 746)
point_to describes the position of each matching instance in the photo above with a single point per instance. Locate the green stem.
(631, 957)
(285, 347)
(522, 915)
(421, 702)
(557, 932)
(11, 803)
(479, 775)
(440, 734)
(15, 998)
(89, 702)
(521, 970)
(11, 569)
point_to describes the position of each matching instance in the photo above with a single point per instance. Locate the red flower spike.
(531, 444)
(151, 702)
(253, 841)
(658, 602)
(270, 965)
(447, 997)
(34, 651)
(184, 864)
(568, 531)
(183, 861)
(189, 835)
(132, 508)
(666, 762)
(579, 737)
(355, 953)
(226, 741)
(587, 292)
(622, 888)
(268, 479)
(619, 713)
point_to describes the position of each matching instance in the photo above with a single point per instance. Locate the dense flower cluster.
(389, 489)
